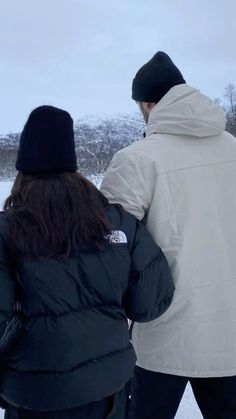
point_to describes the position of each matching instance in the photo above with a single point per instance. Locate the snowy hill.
(96, 140)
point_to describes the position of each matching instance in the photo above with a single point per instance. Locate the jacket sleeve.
(7, 284)
(129, 182)
(151, 288)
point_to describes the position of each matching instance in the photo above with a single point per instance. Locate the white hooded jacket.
(182, 176)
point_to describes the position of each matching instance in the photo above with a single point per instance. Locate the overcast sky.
(81, 55)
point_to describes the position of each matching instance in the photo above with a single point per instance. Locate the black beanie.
(155, 79)
(47, 142)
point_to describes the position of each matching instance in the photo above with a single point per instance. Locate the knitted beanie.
(47, 142)
(156, 78)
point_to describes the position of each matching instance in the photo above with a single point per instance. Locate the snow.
(188, 408)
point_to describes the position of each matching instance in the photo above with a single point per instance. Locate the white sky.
(82, 55)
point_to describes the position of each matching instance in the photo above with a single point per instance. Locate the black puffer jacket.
(75, 346)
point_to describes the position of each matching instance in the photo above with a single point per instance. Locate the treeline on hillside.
(229, 105)
(98, 139)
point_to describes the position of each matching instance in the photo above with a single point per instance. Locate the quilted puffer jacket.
(74, 345)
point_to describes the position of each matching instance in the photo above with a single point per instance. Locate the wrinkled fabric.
(182, 178)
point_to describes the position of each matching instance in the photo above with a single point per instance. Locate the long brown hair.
(49, 214)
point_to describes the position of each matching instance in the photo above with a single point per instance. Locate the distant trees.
(228, 103)
(97, 140)
(8, 154)
(230, 108)
(96, 143)
(7, 162)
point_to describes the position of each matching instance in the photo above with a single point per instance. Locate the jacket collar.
(186, 111)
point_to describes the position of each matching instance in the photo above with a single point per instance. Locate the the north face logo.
(117, 236)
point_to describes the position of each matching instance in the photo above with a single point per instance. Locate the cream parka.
(182, 176)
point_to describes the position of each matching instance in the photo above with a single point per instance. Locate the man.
(181, 178)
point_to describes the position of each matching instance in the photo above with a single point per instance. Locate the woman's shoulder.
(122, 222)
(117, 215)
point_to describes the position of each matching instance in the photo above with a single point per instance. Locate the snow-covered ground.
(188, 408)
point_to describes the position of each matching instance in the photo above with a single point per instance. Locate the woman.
(76, 268)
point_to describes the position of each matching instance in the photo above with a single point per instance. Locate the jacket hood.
(186, 111)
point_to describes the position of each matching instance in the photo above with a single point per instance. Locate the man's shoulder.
(138, 150)
(229, 137)
(132, 148)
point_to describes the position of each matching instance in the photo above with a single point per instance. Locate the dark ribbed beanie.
(156, 78)
(47, 142)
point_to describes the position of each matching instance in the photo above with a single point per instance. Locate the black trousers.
(157, 396)
(114, 407)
